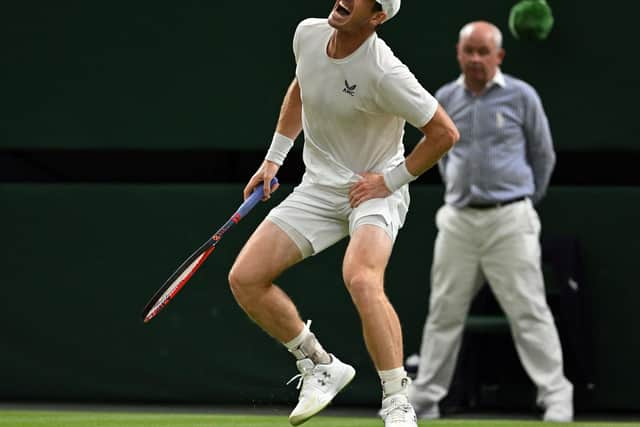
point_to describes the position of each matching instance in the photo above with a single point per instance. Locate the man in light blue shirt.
(505, 151)
(488, 228)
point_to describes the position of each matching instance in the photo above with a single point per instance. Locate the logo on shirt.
(351, 90)
(499, 120)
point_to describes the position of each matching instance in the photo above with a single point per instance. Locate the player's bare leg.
(364, 265)
(363, 270)
(265, 256)
(267, 253)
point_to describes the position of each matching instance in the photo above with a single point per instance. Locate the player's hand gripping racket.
(181, 276)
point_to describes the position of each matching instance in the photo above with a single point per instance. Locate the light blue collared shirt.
(505, 149)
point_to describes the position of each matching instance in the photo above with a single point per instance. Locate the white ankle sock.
(306, 345)
(394, 381)
(297, 341)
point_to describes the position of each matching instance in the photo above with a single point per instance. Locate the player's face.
(479, 57)
(354, 15)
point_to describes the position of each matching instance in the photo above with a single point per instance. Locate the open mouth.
(342, 10)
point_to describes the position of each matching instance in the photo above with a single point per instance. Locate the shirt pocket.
(506, 124)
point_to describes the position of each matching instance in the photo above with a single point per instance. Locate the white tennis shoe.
(397, 412)
(561, 412)
(318, 384)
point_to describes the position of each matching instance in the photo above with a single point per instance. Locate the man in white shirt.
(352, 97)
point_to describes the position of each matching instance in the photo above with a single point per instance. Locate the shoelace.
(300, 378)
(396, 412)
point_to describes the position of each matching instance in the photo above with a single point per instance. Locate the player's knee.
(238, 282)
(365, 287)
(246, 284)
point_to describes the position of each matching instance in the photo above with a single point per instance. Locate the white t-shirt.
(354, 109)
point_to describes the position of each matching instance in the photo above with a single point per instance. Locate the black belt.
(494, 205)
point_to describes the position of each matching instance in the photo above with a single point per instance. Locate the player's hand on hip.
(263, 176)
(370, 186)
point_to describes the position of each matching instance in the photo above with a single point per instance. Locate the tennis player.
(352, 97)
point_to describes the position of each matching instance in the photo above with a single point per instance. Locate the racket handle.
(253, 199)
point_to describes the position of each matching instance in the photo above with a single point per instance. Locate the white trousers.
(500, 246)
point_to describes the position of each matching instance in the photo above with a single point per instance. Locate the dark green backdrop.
(80, 261)
(203, 74)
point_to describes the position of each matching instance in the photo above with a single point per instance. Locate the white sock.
(307, 346)
(297, 341)
(394, 381)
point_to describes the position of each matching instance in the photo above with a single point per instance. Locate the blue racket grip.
(253, 199)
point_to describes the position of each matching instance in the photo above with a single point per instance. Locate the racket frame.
(162, 297)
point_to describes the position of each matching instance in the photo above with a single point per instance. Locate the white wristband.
(279, 148)
(397, 177)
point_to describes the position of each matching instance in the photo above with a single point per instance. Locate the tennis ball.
(531, 20)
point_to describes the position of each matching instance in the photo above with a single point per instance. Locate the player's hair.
(496, 33)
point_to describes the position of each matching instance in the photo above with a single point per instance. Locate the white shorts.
(315, 217)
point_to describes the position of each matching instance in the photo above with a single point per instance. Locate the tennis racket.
(181, 276)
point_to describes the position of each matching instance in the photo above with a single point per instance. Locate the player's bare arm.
(287, 130)
(439, 136)
(290, 119)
